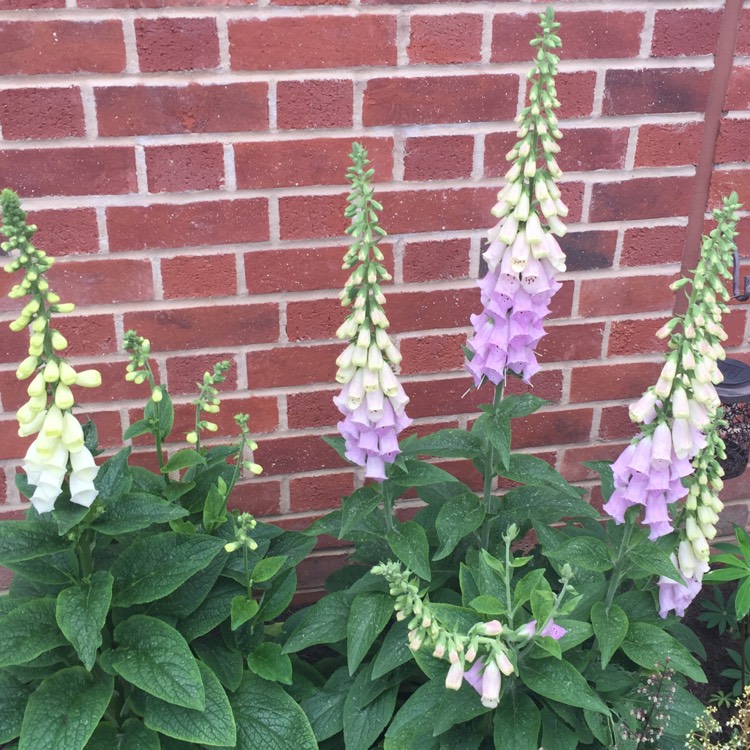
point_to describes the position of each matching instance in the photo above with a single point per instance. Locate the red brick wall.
(187, 159)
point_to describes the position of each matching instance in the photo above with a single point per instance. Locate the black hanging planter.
(734, 393)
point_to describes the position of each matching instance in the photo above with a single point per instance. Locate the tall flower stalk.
(372, 399)
(523, 257)
(58, 451)
(676, 455)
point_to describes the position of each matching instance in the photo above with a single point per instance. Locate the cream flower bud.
(374, 357)
(345, 374)
(509, 231)
(191, 437)
(393, 354)
(59, 342)
(359, 358)
(345, 358)
(529, 169)
(89, 379)
(522, 208)
(72, 433)
(533, 232)
(504, 663)
(388, 381)
(157, 395)
(491, 680)
(377, 316)
(363, 338)
(53, 422)
(63, 396)
(491, 628)
(370, 380)
(65, 307)
(680, 404)
(27, 368)
(701, 549)
(382, 339)
(540, 189)
(32, 426)
(556, 226)
(644, 410)
(347, 329)
(26, 414)
(692, 531)
(455, 677)
(67, 374)
(51, 372)
(37, 387)
(356, 390)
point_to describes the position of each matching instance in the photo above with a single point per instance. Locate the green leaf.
(419, 473)
(456, 519)
(394, 652)
(517, 721)
(363, 724)
(450, 443)
(242, 610)
(133, 735)
(368, 615)
(268, 662)
(214, 725)
(325, 709)
(28, 631)
(13, 699)
(497, 430)
(155, 566)
(649, 645)
(279, 596)
(742, 600)
(67, 514)
(114, 479)
(610, 627)
(357, 506)
(324, 622)
(227, 665)
(26, 540)
(556, 734)
(652, 559)
(532, 470)
(183, 459)
(59, 568)
(488, 605)
(65, 709)
(584, 552)
(268, 718)
(154, 657)
(162, 413)
(141, 427)
(544, 505)
(135, 511)
(561, 681)
(81, 612)
(215, 609)
(604, 470)
(520, 405)
(527, 584)
(338, 444)
(267, 568)
(409, 543)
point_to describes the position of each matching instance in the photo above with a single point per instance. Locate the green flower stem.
(248, 580)
(387, 506)
(620, 563)
(238, 465)
(84, 553)
(508, 598)
(489, 474)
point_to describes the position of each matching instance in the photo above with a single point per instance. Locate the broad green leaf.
(604, 470)
(227, 665)
(457, 518)
(584, 552)
(742, 600)
(556, 734)
(532, 470)
(162, 413)
(652, 559)
(133, 735)
(409, 543)
(450, 443)
(488, 605)
(357, 506)
(527, 584)
(267, 568)
(364, 724)
(517, 721)
(394, 652)
(324, 622)
(214, 609)
(81, 612)
(561, 681)
(26, 540)
(269, 719)
(610, 628)
(213, 726)
(268, 662)
(141, 427)
(279, 595)
(649, 645)
(242, 610)
(418, 473)
(368, 615)
(183, 459)
(146, 481)
(520, 405)
(28, 631)
(155, 566)
(135, 511)
(114, 479)
(325, 708)
(13, 698)
(65, 709)
(67, 514)
(57, 569)
(154, 657)
(544, 504)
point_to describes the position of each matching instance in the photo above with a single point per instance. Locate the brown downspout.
(723, 61)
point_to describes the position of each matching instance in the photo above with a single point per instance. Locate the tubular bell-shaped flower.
(372, 399)
(523, 257)
(48, 412)
(676, 454)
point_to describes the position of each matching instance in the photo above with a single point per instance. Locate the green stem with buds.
(489, 472)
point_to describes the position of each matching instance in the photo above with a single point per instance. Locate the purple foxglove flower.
(676, 596)
(474, 675)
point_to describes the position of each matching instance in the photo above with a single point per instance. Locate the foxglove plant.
(372, 399)
(523, 257)
(676, 455)
(58, 451)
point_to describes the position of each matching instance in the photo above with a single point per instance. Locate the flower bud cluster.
(247, 443)
(48, 411)
(677, 454)
(523, 257)
(372, 399)
(246, 523)
(208, 401)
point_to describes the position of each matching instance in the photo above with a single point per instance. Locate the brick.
(589, 250)
(31, 5)
(191, 224)
(286, 455)
(655, 90)
(562, 302)
(66, 231)
(612, 382)
(445, 40)
(309, 2)
(572, 467)
(165, 3)
(165, 44)
(439, 99)
(200, 327)
(693, 31)
(615, 423)
(41, 113)
(648, 246)
(725, 182)
(733, 142)
(314, 41)
(585, 34)
(436, 260)
(552, 428)
(263, 411)
(90, 170)
(738, 91)
(576, 93)
(312, 409)
(318, 161)
(195, 276)
(628, 337)
(565, 343)
(319, 492)
(314, 104)
(102, 281)
(440, 157)
(176, 169)
(194, 108)
(42, 47)
(440, 353)
(259, 498)
(12, 446)
(626, 294)
(183, 372)
(293, 365)
(641, 198)
(668, 145)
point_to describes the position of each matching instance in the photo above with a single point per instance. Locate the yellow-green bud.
(63, 396)
(211, 426)
(67, 374)
(89, 379)
(51, 372)
(65, 307)
(192, 438)
(27, 367)
(156, 395)
(37, 386)
(19, 324)
(38, 325)
(59, 342)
